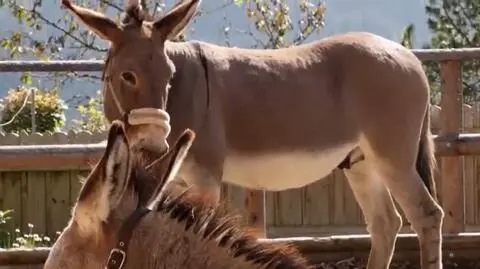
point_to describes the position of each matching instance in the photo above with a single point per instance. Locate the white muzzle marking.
(152, 116)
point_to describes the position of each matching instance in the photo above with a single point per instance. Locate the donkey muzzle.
(149, 129)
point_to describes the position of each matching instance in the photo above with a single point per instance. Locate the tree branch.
(54, 25)
(455, 26)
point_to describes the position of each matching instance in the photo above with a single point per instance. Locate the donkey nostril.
(129, 77)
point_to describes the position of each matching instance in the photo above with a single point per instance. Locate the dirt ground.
(354, 263)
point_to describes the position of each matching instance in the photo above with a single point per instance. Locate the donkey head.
(137, 70)
(114, 189)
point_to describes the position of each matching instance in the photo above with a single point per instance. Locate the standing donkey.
(123, 220)
(284, 118)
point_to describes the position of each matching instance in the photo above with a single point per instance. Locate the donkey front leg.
(382, 218)
(200, 178)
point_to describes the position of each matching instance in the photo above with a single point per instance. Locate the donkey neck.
(163, 242)
(191, 91)
(196, 233)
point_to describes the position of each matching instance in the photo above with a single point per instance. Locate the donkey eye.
(129, 77)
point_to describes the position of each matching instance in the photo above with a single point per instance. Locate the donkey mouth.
(148, 137)
(149, 129)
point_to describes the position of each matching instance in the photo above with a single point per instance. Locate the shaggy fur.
(212, 221)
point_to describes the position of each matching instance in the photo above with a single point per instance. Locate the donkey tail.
(426, 162)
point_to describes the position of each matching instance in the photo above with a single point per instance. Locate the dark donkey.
(284, 118)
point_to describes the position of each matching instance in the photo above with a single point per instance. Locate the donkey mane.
(134, 13)
(213, 222)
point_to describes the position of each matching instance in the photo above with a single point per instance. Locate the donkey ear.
(167, 166)
(95, 21)
(108, 182)
(175, 21)
(117, 164)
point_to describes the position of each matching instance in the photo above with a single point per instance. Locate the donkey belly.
(281, 171)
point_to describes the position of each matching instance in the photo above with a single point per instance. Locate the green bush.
(49, 111)
(92, 117)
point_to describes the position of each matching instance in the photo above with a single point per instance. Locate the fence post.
(452, 193)
(255, 206)
(32, 110)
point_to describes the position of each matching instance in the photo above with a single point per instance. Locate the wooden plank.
(452, 194)
(317, 202)
(76, 178)
(290, 203)
(80, 137)
(436, 127)
(469, 168)
(33, 209)
(233, 197)
(435, 119)
(477, 168)
(28, 158)
(339, 213)
(10, 191)
(58, 201)
(236, 198)
(270, 212)
(10, 139)
(33, 191)
(254, 204)
(327, 230)
(437, 55)
(316, 250)
(12, 199)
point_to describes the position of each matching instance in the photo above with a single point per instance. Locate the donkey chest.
(281, 171)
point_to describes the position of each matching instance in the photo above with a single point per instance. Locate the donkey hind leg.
(382, 218)
(424, 213)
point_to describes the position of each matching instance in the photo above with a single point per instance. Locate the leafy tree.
(431, 68)
(407, 36)
(456, 24)
(272, 20)
(49, 111)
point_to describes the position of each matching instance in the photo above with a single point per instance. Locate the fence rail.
(425, 55)
(78, 156)
(316, 251)
(285, 209)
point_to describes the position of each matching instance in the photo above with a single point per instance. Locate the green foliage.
(92, 118)
(272, 19)
(19, 240)
(49, 111)
(5, 237)
(407, 36)
(456, 24)
(431, 68)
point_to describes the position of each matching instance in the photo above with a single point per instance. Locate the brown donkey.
(282, 119)
(116, 225)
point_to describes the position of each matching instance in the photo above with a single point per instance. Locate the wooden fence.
(327, 206)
